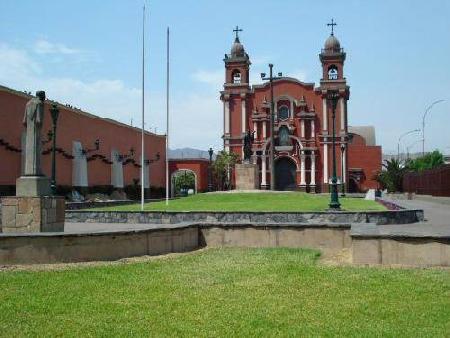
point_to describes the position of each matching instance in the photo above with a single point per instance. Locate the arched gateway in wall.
(181, 172)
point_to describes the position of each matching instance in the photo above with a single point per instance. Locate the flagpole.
(143, 106)
(167, 119)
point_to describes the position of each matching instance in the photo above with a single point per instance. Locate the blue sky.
(87, 53)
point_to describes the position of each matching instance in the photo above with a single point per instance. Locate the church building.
(303, 125)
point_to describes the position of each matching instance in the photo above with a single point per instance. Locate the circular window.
(283, 113)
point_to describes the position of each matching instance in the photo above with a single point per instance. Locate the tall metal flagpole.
(167, 119)
(143, 105)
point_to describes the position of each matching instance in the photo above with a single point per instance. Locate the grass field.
(252, 202)
(226, 292)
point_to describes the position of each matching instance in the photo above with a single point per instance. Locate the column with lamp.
(54, 111)
(333, 97)
(210, 185)
(343, 169)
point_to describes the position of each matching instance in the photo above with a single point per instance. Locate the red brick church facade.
(302, 127)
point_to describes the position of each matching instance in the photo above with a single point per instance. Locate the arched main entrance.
(285, 169)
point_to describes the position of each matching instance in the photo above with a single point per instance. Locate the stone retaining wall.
(377, 217)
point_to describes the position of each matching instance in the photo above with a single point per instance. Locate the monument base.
(247, 177)
(33, 214)
(33, 186)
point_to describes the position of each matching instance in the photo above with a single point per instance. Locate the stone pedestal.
(33, 214)
(302, 188)
(247, 177)
(33, 186)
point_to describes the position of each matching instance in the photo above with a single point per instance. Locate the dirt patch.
(343, 257)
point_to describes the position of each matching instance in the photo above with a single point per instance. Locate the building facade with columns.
(302, 125)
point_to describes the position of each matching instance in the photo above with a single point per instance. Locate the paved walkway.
(100, 227)
(436, 214)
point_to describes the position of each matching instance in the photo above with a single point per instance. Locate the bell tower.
(235, 96)
(332, 58)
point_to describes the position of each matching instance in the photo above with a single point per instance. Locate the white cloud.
(16, 65)
(43, 46)
(298, 74)
(214, 78)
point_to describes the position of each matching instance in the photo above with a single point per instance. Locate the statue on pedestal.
(33, 182)
(249, 138)
(32, 120)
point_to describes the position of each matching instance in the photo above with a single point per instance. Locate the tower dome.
(237, 50)
(332, 45)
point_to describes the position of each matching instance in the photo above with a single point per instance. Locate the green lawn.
(253, 202)
(226, 292)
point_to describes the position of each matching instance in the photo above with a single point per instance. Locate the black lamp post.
(342, 168)
(272, 122)
(210, 186)
(54, 111)
(333, 97)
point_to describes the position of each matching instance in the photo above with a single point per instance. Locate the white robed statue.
(32, 120)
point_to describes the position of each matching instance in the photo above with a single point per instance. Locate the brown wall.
(434, 182)
(75, 125)
(199, 166)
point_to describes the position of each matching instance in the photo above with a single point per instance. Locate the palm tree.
(391, 178)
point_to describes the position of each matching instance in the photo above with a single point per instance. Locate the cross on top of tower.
(332, 24)
(237, 30)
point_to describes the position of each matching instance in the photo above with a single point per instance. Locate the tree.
(222, 168)
(391, 178)
(428, 161)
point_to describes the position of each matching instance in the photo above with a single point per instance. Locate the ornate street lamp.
(333, 97)
(423, 123)
(400, 138)
(210, 186)
(54, 111)
(342, 168)
(272, 122)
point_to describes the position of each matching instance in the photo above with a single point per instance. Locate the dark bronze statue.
(249, 138)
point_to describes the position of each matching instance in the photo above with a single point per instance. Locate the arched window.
(332, 72)
(236, 76)
(283, 113)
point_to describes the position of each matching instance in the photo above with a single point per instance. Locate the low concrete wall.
(328, 239)
(415, 245)
(377, 217)
(369, 245)
(113, 245)
(102, 246)
(419, 252)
